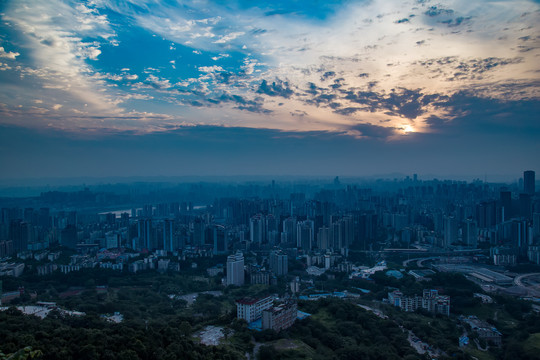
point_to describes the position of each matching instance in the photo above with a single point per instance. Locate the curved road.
(419, 261)
(517, 279)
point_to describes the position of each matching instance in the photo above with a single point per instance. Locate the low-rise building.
(11, 269)
(250, 309)
(484, 330)
(430, 301)
(280, 317)
(46, 269)
(260, 277)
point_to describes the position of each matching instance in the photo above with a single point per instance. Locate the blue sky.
(281, 87)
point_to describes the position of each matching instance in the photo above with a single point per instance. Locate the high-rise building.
(305, 235)
(536, 225)
(68, 237)
(219, 239)
(323, 238)
(486, 213)
(112, 240)
(525, 206)
(506, 204)
(235, 269)
(198, 233)
(257, 229)
(15, 234)
(279, 263)
(145, 233)
(289, 231)
(529, 182)
(168, 235)
(470, 233)
(450, 230)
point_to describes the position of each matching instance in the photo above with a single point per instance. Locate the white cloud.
(158, 82)
(210, 69)
(53, 32)
(229, 37)
(8, 54)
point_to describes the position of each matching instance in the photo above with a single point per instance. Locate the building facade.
(235, 269)
(279, 263)
(430, 301)
(280, 317)
(250, 309)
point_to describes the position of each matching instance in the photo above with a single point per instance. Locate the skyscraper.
(168, 235)
(323, 238)
(278, 263)
(470, 233)
(529, 182)
(235, 269)
(450, 230)
(290, 231)
(506, 204)
(144, 232)
(257, 229)
(305, 235)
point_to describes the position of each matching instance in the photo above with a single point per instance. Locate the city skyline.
(103, 89)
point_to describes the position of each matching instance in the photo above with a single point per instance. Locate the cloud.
(327, 75)
(8, 54)
(437, 10)
(56, 56)
(229, 37)
(457, 21)
(210, 69)
(277, 88)
(482, 115)
(158, 83)
(374, 131)
(263, 65)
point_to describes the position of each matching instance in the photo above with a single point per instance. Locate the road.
(419, 261)
(517, 279)
(532, 291)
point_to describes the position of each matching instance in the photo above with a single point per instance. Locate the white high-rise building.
(235, 269)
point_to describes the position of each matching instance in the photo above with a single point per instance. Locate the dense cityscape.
(262, 252)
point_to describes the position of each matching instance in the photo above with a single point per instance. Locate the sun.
(407, 129)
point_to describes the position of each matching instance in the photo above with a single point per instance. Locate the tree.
(22, 354)
(185, 328)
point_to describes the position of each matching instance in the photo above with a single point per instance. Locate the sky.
(104, 88)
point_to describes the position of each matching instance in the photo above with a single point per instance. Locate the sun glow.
(407, 129)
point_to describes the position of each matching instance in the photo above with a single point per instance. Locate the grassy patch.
(325, 318)
(478, 354)
(483, 311)
(292, 349)
(531, 346)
